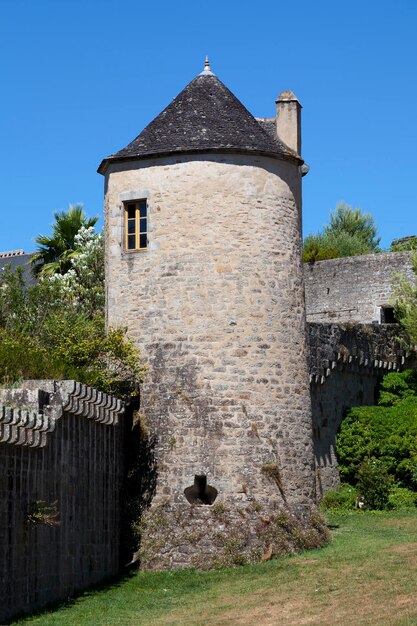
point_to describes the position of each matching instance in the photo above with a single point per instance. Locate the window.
(136, 225)
(388, 315)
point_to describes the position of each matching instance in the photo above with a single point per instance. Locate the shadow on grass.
(79, 594)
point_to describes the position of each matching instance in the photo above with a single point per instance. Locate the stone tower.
(203, 265)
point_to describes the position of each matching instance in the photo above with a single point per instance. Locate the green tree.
(55, 251)
(332, 246)
(354, 223)
(348, 233)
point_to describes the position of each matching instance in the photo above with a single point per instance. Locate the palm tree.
(54, 252)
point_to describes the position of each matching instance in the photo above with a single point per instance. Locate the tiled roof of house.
(204, 117)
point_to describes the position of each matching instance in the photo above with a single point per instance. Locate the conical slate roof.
(204, 117)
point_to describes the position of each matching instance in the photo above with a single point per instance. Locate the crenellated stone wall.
(353, 289)
(61, 459)
(347, 363)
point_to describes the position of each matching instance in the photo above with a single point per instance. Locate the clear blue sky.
(81, 78)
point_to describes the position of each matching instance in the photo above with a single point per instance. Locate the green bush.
(342, 499)
(374, 484)
(387, 433)
(396, 386)
(377, 445)
(401, 498)
(45, 334)
(21, 357)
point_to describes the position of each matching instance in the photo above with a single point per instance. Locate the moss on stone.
(208, 537)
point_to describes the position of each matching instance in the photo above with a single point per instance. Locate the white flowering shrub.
(83, 283)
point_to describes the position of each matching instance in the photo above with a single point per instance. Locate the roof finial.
(207, 70)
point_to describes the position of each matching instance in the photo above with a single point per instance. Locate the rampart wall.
(346, 365)
(353, 288)
(61, 471)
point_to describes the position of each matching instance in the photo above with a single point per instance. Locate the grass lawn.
(368, 575)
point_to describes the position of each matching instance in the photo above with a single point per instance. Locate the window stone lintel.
(134, 194)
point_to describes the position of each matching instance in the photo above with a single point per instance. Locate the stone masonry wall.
(346, 366)
(61, 470)
(353, 288)
(217, 306)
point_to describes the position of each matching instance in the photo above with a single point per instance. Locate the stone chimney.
(289, 120)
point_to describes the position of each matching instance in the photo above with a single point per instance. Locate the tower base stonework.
(205, 537)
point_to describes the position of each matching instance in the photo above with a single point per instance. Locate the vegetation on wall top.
(56, 327)
(404, 244)
(405, 302)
